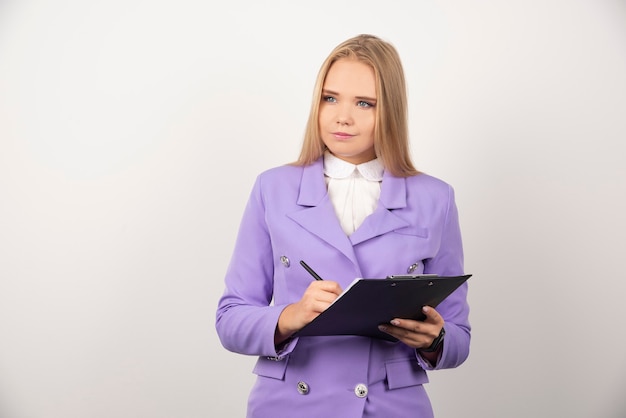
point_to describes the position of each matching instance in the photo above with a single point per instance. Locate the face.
(347, 114)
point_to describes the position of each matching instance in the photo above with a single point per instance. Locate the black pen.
(310, 270)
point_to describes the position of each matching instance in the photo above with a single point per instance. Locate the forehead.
(351, 77)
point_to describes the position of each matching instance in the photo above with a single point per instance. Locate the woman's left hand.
(416, 334)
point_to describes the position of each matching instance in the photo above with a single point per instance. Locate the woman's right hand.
(315, 300)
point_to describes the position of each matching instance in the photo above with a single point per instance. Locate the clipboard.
(367, 303)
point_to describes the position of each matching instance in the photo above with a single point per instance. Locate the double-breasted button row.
(285, 262)
(360, 390)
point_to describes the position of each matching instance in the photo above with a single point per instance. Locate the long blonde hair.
(391, 137)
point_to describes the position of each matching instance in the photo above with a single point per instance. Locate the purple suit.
(289, 218)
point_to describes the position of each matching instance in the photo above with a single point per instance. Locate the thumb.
(431, 314)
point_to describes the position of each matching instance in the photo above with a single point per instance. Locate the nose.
(344, 115)
(343, 121)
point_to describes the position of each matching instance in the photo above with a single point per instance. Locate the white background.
(131, 133)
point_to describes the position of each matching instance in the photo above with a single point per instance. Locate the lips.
(342, 135)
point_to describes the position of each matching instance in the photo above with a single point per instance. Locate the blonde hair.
(391, 137)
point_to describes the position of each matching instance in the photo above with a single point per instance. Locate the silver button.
(360, 390)
(284, 260)
(412, 268)
(303, 388)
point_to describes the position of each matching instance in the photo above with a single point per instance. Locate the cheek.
(367, 123)
(323, 115)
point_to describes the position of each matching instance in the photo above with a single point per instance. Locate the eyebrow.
(334, 93)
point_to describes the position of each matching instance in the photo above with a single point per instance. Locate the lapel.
(383, 220)
(317, 215)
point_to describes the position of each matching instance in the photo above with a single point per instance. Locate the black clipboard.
(367, 303)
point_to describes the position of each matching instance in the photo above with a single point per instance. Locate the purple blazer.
(289, 218)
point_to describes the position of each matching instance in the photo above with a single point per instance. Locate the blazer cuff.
(454, 351)
(286, 347)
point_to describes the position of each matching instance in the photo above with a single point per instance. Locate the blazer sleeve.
(448, 261)
(245, 319)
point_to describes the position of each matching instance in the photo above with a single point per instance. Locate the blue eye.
(363, 103)
(329, 99)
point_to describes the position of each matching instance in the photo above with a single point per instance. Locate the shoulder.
(424, 190)
(432, 197)
(281, 172)
(279, 184)
(282, 176)
(429, 183)
(427, 179)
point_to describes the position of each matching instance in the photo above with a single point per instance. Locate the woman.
(353, 205)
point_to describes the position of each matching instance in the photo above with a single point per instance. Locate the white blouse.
(353, 189)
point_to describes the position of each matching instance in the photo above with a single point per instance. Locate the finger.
(333, 287)
(432, 316)
(320, 306)
(327, 286)
(404, 335)
(408, 324)
(399, 333)
(417, 334)
(322, 291)
(325, 297)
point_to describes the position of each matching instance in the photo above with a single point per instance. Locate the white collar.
(337, 168)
